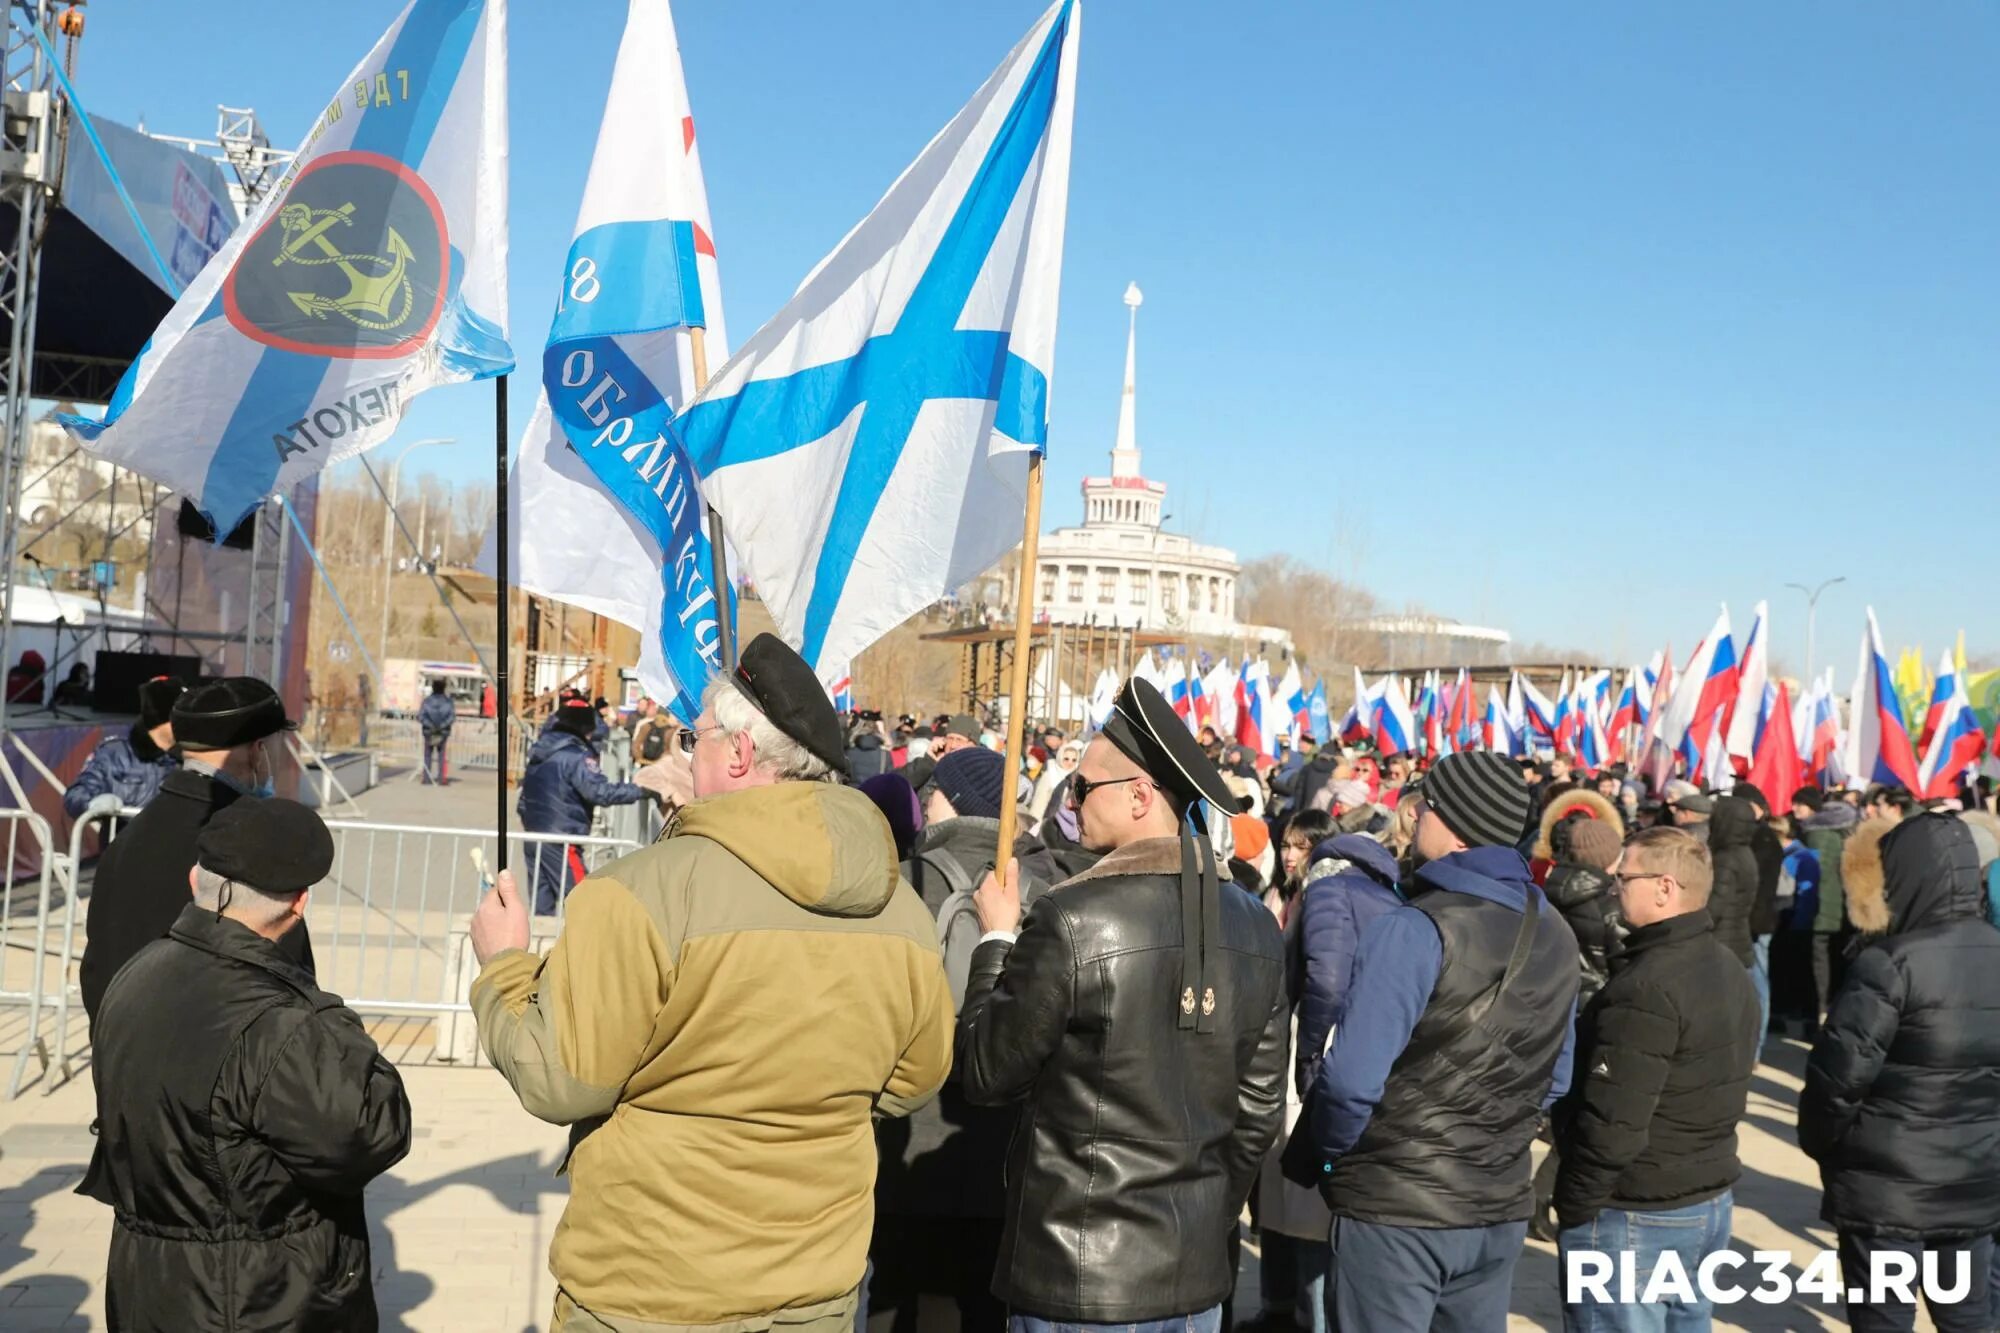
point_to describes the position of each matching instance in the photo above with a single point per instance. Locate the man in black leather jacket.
(1143, 1123)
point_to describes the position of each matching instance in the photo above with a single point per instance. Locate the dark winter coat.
(1588, 900)
(946, 1159)
(1137, 1141)
(1351, 880)
(866, 758)
(1770, 853)
(1825, 833)
(241, 1111)
(1664, 1061)
(1730, 831)
(1902, 1095)
(141, 883)
(1313, 779)
(563, 785)
(129, 767)
(436, 714)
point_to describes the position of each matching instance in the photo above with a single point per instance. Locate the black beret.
(222, 714)
(785, 690)
(275, 845)
(156, 700)
(1145, 728)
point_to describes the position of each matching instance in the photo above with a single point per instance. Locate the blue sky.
(1571, 318)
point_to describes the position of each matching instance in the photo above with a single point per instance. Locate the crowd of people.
(829, 1059)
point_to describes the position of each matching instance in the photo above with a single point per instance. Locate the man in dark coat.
(1140, 1014)
(938, 1194)
(560, 791)
(1456, 1037)
(1824, 827)
(1769, 853)
(224, 729)
(241, 1110)
(1732, 828)
(127, 770)
(435, 716)
(1648, 1140)
(1901, 1106)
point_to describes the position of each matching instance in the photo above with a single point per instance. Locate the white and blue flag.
(376, 269)
(868, 449)
(608, 514)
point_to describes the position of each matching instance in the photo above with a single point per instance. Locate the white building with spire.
(1120, 568)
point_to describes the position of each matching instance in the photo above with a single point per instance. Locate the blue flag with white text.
(618, 367)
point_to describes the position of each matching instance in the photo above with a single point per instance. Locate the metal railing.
(25, 986)
(474, 742)
(389, 924)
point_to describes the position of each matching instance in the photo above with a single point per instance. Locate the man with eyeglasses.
(1139, 1013)
(724, 1016)
(1648, 1141)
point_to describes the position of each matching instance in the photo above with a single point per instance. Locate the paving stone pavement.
(462, 1226)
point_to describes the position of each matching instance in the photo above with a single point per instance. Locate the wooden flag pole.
(1024, 629)
(718, 575)
(503, 593)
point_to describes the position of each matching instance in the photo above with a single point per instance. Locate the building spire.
(1125, 452)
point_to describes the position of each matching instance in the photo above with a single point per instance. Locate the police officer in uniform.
(225, 729)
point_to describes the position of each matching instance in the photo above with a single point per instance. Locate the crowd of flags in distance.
(952, 283)
(1718, 717)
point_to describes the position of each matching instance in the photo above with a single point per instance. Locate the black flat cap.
(275, 845)
(232, 711)
(1146, 730)
(784, 688)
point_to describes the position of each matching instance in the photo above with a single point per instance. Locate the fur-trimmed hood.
(1922, 871)
(1985, 835)
(1582, 799)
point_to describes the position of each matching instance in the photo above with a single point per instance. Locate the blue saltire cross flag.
(868, 448)
(375, 270)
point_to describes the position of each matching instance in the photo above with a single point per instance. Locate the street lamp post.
(1812, 610)
(388, 532)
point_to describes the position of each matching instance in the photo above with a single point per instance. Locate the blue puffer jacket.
(129, 767)
(563, 785)
(1352, 880)
(437, 713)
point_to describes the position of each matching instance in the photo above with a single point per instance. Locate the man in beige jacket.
(723, 1017)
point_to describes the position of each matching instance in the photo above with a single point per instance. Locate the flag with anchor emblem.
(868, 448)
(374, 270)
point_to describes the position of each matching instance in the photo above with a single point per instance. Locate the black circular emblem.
(353, 262)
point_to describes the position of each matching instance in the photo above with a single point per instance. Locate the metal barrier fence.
(389, 924)
(25, 985)
(474, 742)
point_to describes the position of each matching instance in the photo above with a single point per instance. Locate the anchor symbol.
(378, 301)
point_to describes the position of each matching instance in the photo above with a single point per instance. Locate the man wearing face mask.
(225, 729)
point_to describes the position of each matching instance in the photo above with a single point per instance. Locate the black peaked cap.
(1145, 728)
(275, 845)
(785, 690)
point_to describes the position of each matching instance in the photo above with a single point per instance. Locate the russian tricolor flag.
(1751, 702)
(1878, 741)
(1395, 728)
(1956, 742)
